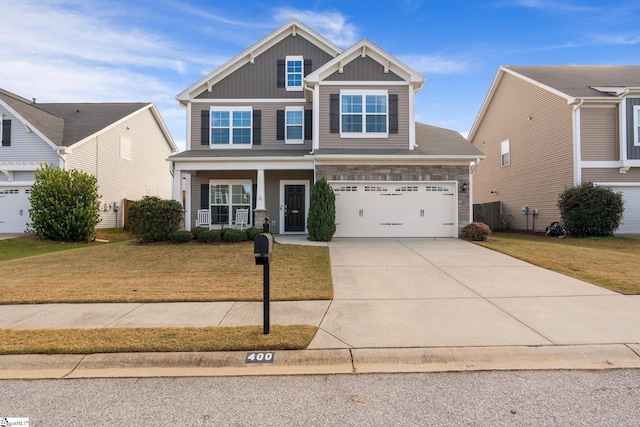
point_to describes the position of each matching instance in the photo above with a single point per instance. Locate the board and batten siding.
(399, 141)
(268, 140)
(539, 127)
(363, 69)
(259, 80)
(26, 146)
(146, 174)
(599, 133)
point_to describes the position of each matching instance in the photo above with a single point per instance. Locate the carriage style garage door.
(396, 209)
(14, 209)
(631, 217)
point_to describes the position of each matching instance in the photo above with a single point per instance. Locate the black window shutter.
(307, 67)
(204, 196)
(334, 112)
(280, 125)
(257, 127)
(204, 127)
(308, 124)
(281, 72)
(393, 113)
(6, 133)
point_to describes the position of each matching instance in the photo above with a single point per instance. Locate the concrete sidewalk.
(401, 305)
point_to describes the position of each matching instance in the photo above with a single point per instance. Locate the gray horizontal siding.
(400, 140)
(259, 80)
(599, 133)
(363, 69)
(25, 146)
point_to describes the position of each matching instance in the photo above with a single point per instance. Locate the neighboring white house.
(125, 145)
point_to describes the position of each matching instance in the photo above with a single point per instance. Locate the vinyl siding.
(147, 173)
(25, 147)
(599, 133)
(610, 175)
(330, 140)
(541, 151)
(259, 80)
(268, 140)
(363, 69)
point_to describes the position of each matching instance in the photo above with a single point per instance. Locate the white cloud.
(332, 25)
(434, 64)
(616, 39)
(550, 5)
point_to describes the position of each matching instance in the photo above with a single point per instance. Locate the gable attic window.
(230, 127)
(294, 72)
(505, 153)
(636, 125)
(364, 114)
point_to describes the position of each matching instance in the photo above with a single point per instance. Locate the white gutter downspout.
(623, 132)
(577, 145)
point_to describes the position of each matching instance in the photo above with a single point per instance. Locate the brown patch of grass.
(611, 262)
(131, 272)
(126, 340)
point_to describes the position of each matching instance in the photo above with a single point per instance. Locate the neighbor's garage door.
(14, 209)
(631, 217)
(373, 209)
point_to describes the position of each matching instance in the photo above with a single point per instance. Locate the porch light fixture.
(464, 187)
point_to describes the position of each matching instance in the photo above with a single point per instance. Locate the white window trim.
(636, 125)
(230, 183)
(231, 145)
(293, 141)
(364, 133)
(286, 73)
(505, 148)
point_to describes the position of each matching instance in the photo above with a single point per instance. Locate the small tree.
(322, 212)
(589, 210)
(64, 205)
(154, 220)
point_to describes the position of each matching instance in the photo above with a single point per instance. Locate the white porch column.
(260, 202)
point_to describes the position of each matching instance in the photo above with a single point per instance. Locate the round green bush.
(181, 236)
(253, 232)
(209, 236)
(153, 219)
(476, 231)
(590, 210)
(233, 236)
(196, 230)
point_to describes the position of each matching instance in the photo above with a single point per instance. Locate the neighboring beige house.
(125, 145)
(294, 108)
(547, 128)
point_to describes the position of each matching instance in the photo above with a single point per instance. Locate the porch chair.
(204, 218)
(242, 218)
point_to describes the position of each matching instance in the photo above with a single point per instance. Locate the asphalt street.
(498, 398)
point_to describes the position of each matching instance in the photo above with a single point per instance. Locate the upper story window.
(505, 153)
(294, 123)
(364, 113)
(294, 66)
(126, 148)
(231, 126)
(636, 125)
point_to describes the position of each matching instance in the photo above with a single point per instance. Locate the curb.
(316, 362)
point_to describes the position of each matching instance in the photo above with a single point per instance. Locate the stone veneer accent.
(459, 173)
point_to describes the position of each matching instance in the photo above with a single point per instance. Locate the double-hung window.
(226, 197)
(294, 125)
(294, 66)
(231, 126)
(364, 113)
(505, 153)
(636, 125)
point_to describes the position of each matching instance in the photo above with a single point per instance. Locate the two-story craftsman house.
(294, 108)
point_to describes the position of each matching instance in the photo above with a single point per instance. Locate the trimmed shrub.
(253, 232)
(64, 205)
(181, 236)
(476, 231)
(154, 220)
(222, 231)
(322, 212)
(196, 230)
(209, 236)
(232, 236)
(589, 210)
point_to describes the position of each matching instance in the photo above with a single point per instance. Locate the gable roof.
(571, 82)
(293, 27)
(65, 124)
(365, 48)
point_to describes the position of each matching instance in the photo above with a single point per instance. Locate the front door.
(294, 208)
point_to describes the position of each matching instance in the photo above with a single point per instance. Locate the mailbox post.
(262, 250)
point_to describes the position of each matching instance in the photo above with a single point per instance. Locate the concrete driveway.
(448, 292)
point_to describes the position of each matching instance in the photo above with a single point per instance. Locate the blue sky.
(150, 50)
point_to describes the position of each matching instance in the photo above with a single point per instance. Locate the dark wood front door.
(294, 208)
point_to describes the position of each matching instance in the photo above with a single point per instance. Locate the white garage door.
(631, 217)
(14, 209)
(398, 209)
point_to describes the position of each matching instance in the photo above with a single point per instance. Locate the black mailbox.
(263, 248)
